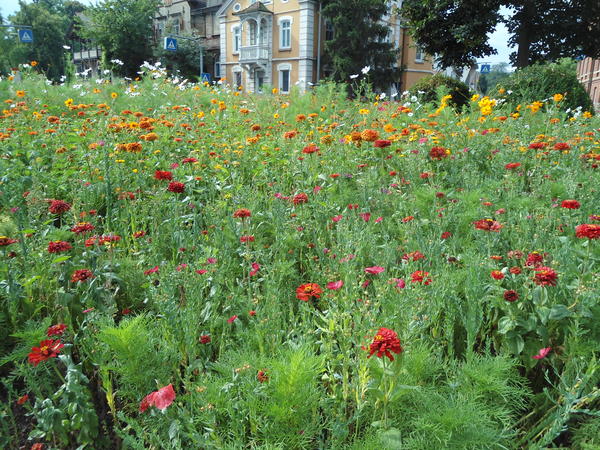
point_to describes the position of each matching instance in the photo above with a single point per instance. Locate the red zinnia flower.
(189, 160)
(382, 143)
(161, 398)
(587, 230)
(58, 246)
(594, 217)
(385, 341)
(487, 225)
(299, 199)
(421, 277)
(22, 400)
(163, 175)
(245, 239)
(446, 235)
(262, 376)
(545, 276)
(497, 275)
(139, 234)
(511, 166)
(151, 271)
(59, 207)
(310, 149)
(516, 270)
(570, 204)
(511, 296)
(82, 228)
(232, 319)
(305, 291)
(7, 241)
(82, 275)
(242, 213)
(415, 256)
(56, 330)
(534, 259)
(176, 187)
(47, 349)
(204, 339)
(561, 146)
(438, 153)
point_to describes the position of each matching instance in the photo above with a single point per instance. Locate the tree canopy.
(457, 32)
(361, 40)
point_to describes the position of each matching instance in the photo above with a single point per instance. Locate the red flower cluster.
(385, 342)
(446, 235)
(245, 239)
(58, 246)
(242, 213)
(101, 240)
(588, 230)
(56, 330)
(308, 290)
(438, 153)
(299, 199)
(163, 175)
(47, 349)
(59, 207)
(570, 204)
(177, 187)
(82, 228)
(139, 234)
(420, 277)
(82, 275)
(262, 376)
(487, 225)
(545, 276)
(161, 398)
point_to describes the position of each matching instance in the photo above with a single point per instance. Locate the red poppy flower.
(242, 213)
(511, 296)
(305, 291)
(487, 225)
(438, 153)
(545, 276)
(58, 246)
(590, 231)
(82, 275)
(570, 204)
(374, 270)
(161, 398)
(232, 319)
(47, 349)
(511, 166)
(176, 187)
(255, 267)
(446, 235)
(56, 330)
(497, 275)
(204, 339)
(385, 342)
(543, 353)
(420, 277)
(59, 207)
(335, 285)
(299, 199)
(163, 175)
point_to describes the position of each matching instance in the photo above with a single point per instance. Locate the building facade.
(281, 43)
(588, 74)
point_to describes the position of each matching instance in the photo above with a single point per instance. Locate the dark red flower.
(151, 271)
(497, 275)
(245, 239)
(242, 213)
(7, 241)
(534, 259)
(82, 275)
(511, 166)
(139, 234)
(232, 319)
(204, 339)
(561, 146)
(570, 204)
(56, 330)
(438, 153)
(382, 143)
(163, 175)
(516, 270)
(545, 276)
(58, 246)
(420, 277)
(262, 376)
(587, 230)
(82, 228)
(59, 207)
(189, 160)
(299, 199)
(487, 225)
(511, 296)
(161, 398)
(415, 256)
(594, 217)
(308, 290)
(446, 235)
(125, 311)
(176, 187)
(385, 342)
(47, 349)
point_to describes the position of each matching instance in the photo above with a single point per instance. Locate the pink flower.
(336, 219)
(161, 398)
(379, 219)
(201, 272)
(374, 270)
(365, 284)
(211, 260)
(316, 189)
(543, 353)
(365, 216)
(400, 284)
(335, 285)
(232, 319)
(255, 267)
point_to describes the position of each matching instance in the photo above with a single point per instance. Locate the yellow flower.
(275, 90)
(114, 95)
(276, 116)
(10, 78)
(68, 102)
(20, 93)
(558, 97)
(475, 98)
(501, 91)
(587, 114)
(364, 111)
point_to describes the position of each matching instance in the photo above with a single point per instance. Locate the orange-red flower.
(545, 276)
(242, 213)
(47, 349)
(385, 343)
(497, 275)
(438, 153)
(420, 277)
(308, 290)
(570, 204)
(56, 330)
(300, 198)
(59, 207)
(310, 149)
(487, 225)
(588, 230)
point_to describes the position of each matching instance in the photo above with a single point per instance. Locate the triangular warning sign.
(205, 78)
(26, 36)
(171, 45)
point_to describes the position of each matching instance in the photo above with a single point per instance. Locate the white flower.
(67, 47)
(394, 94)
(365, 70)
(405, 93)
(410, 114)
(117, 61)
(127, 78)
(352, 77)
(106, 72)
(414, 98)
(382, 96)
(509, 92)
(420, 92)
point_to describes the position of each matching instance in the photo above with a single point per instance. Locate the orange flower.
(47, 349)
(305, 291)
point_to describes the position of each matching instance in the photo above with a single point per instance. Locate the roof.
(257, 7)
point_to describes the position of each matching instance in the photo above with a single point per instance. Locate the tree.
(123, 28)
(543, 30)
(498, 73)
(360, 40)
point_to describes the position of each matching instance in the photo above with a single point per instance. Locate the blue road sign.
(170, 44)
(25, 36)
(485, 68)
(205, 77)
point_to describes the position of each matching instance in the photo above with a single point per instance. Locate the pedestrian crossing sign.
(170, 44)
(25, 36)
(205, 77)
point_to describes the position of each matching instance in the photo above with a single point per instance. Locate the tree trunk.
(525, 32)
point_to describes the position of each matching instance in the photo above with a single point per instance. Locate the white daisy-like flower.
(365, 70)
(352, 77)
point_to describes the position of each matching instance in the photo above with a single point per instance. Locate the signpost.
(25, 36)
(485, 68)
(204, 77)
(171, 44)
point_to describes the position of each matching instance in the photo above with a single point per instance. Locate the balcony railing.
(251, 53)
(93, 54)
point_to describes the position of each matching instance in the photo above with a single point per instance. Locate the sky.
(498, 39)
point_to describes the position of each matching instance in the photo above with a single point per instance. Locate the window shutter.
(180, 24)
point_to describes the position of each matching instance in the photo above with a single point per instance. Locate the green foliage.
(488, 81)
(541, 82)
(441, 84)
(359, 41)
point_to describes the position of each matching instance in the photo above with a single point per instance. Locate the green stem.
(53, 363)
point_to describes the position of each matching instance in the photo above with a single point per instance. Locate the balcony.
(256, 54)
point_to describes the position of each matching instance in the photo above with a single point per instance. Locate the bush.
(538, 82)
(450, 86)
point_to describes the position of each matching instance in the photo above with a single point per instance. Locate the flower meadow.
(194, 266)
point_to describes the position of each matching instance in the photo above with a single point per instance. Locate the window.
(419, 55)
(237, 38)
(216, 24)
(329, 31)
(175, 25)
(285, 32)
(284, 77)
(160, 29)
(237, 79)
(217, 66)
